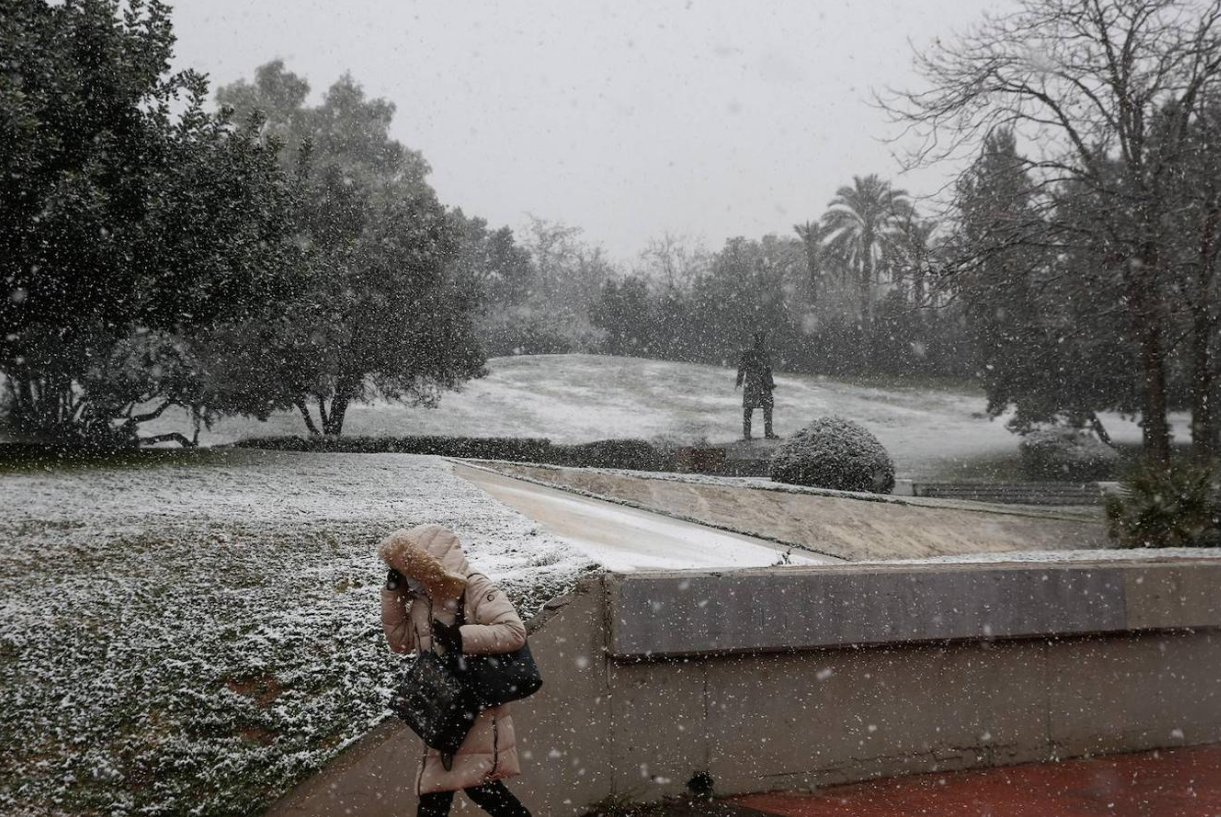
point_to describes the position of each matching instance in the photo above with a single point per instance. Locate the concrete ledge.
(676, 614)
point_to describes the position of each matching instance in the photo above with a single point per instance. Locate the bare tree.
(673, 260)
(1102, 93)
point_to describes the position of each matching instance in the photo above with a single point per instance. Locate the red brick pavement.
(1170, 783)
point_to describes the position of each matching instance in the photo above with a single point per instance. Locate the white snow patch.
(626, 539)
(577, 398)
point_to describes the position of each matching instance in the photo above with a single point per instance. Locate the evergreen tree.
(387, 310)
(125, 229)
(1035, 295)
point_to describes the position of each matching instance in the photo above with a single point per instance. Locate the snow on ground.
(577, 398)
(195, 637)
(1084, 512)
(626, 539)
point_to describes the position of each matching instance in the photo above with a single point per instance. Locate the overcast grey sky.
(627, 119)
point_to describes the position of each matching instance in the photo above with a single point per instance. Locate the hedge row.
(637, 455)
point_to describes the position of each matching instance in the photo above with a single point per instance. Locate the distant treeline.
(264, 254)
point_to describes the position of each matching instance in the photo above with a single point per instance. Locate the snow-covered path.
(625, 538)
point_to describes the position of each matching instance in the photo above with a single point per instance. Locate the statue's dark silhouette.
(755, 375)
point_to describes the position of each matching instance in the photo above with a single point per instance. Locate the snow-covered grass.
(194, 636)
(930, 431)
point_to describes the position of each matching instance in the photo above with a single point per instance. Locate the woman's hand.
(448, 636)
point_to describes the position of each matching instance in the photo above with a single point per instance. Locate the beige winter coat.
(489, 751)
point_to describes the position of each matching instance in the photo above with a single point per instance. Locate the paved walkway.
(625, 538)
(852, 528)
(1170, 783)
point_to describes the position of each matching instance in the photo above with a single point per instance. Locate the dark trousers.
(493, 798)
(767, 420)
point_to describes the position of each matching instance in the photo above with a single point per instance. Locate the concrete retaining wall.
(792, 677)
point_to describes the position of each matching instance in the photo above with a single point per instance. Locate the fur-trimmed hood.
(442, 543)
(430, 554)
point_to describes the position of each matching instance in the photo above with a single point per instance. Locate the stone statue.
(755, 376)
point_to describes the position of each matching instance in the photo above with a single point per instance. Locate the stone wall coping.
(656, 614)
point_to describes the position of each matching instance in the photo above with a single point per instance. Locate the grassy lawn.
(193, 633)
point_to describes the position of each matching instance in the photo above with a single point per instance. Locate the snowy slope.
(574, 398)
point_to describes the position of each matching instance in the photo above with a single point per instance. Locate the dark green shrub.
(832, 452)
(1067, 455)
(1177, 506)
(635, 455)
(526, 449)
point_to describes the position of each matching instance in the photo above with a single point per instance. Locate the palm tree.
(913, 254)
(863, 225)
(812, 235)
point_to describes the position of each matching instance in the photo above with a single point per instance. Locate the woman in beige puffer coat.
(429, 578)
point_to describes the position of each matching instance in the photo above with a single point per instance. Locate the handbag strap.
(462, 606)
(460, 616)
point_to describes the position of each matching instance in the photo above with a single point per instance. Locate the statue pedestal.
(740, 458)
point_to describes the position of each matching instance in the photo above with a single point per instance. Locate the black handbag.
(498, 679)
(435, 702)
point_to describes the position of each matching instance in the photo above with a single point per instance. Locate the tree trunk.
(305, 415)
(812, 263)
(1100, 430)
(174, 436)
(1147, 327)
(23, 410)
(1203, 435)
(1203, 418)
(1154, 425)
(866, 283)
(334, 423)
(344, 392)
(1203, 431)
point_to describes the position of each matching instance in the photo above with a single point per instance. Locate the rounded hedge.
(832, 452)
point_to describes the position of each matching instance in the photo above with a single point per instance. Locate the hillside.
(574, 398)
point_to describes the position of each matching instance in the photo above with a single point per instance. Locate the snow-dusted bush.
(1067, 454)
(832, 452)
